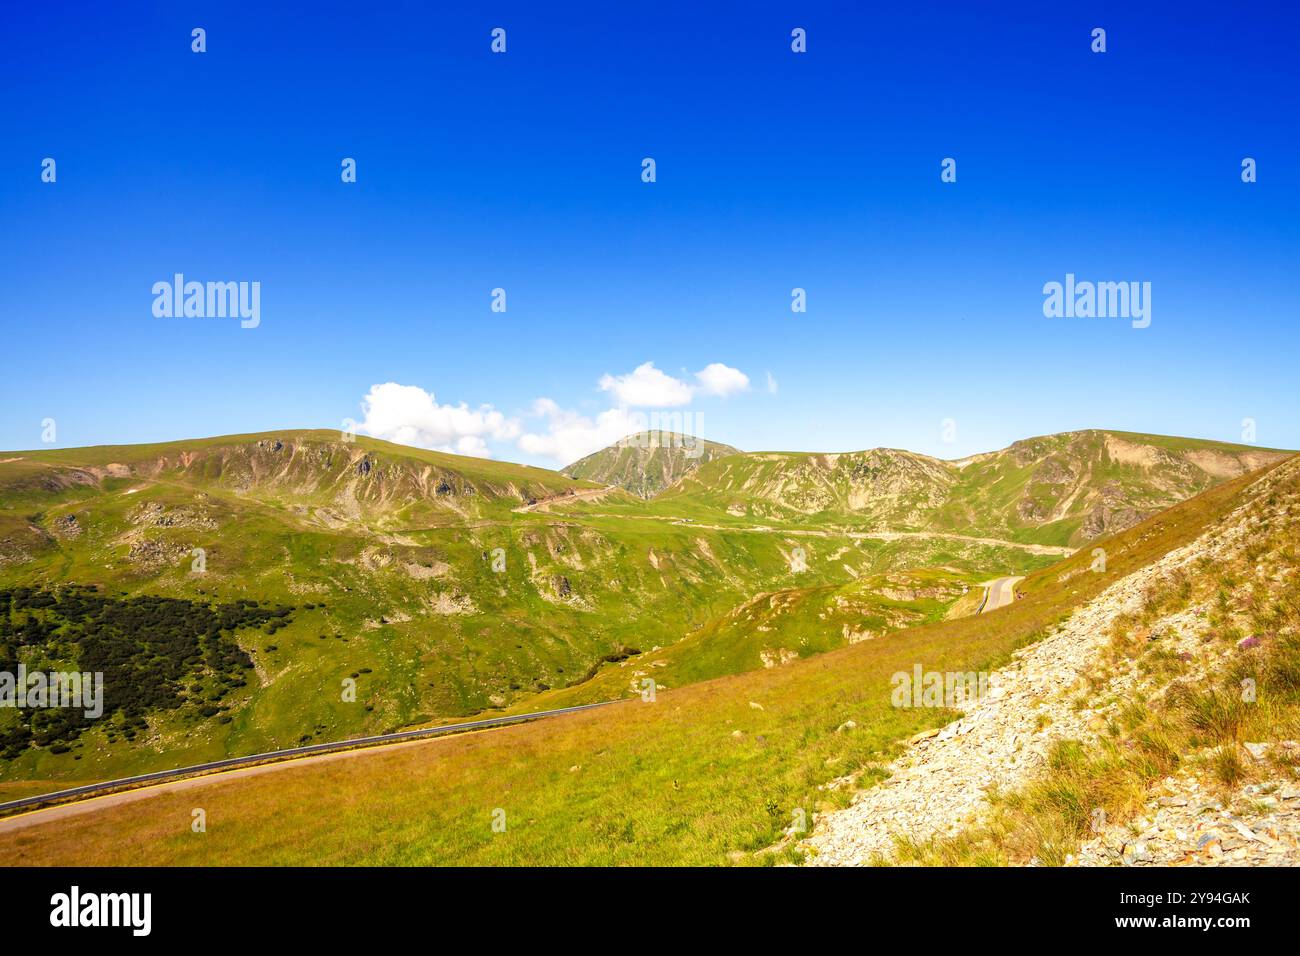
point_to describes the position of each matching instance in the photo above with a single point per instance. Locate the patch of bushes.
(155, 654)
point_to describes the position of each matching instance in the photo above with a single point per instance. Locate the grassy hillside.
(445, 586)
(777, 628)
(706, 773)
(1059, 489)
(647, 462)
(442, 585)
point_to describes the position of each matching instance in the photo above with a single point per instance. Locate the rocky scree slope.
(1073, 687)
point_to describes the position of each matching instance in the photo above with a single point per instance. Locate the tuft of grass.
(1225, 763)
(1214, 715)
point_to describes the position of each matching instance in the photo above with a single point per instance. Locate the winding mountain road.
(1047, 549)
(47, 807)
(999, 592)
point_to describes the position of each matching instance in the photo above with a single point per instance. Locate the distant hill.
(648, 462)
(356, 475)
(1058, 489)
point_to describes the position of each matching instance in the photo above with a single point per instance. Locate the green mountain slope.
(1059, 489)
(444, 585)
(441, 585)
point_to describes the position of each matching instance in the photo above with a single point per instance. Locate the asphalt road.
(999, 592)
(44, 805)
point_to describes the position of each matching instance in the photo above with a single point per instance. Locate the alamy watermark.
(211, 300)
(1102, 300)
(922, 688)
(132, 911)
(41, 689)
(664, 430)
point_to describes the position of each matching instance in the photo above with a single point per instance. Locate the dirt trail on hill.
(586, 494)
(1049, 549)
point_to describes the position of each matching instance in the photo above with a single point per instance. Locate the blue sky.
(775, 170)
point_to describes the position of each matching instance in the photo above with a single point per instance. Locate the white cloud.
(647, 387)
(570, 435)
(772, 385)
(409, 415)
(721, 380)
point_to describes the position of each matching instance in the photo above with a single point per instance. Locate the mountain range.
(1120, 691)
(446, 586)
